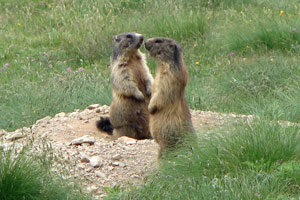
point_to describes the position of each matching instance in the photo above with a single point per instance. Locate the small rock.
(116, 157)
(127, 140)
(115, 164)
(93, 106)
(100, 174)
(89, 169)
(73, 114)
(92, 188)
(95, 161)
(26, 130)
(84, 139)
(122, 164)
(105, 107)
(130, 142)
(60, 115)
(135, 176)
(14, 136)
(118, 164)
(98, 110)
(80, 117)
(84, 158)
(81, 166)
(85, 145)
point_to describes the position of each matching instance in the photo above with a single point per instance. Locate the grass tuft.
(26, 177)
(256, 161)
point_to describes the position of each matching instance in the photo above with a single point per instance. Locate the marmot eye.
(158, 41)
(129, 36)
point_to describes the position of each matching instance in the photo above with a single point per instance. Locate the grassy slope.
(45, 43)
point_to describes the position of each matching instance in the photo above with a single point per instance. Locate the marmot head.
(164, 50)
(126, 43)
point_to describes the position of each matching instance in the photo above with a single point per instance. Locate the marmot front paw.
(139, 96)
(149, 91)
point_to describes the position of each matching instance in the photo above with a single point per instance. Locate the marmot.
(170, 116)
(131, 83)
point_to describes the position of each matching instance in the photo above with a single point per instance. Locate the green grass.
(29, 177)
(257, 161)
(248, 54)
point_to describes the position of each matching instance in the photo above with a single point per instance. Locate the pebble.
(74, 114)
(95, 161)
(127, 140)
(14, 136)
(118, 164)
(135, 176)
(81, 166)
(93, 106)
(80, 117)
(84, 158)
(84, 139)
(60, 115)
(98, 111)
(100, 174)
(92, 188)
(116, 157)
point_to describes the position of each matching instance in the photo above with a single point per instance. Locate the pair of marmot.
(134, 96)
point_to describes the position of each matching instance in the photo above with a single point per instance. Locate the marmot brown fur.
(170, 116)
(131, 87)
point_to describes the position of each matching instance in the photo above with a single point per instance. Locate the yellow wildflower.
(272, 59)
(197, 63)
(19, 24)
(281, 13)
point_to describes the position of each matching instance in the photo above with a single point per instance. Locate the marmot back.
(170, 116)
(131, 87)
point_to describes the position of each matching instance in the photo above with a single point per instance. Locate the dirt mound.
(94, 158)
